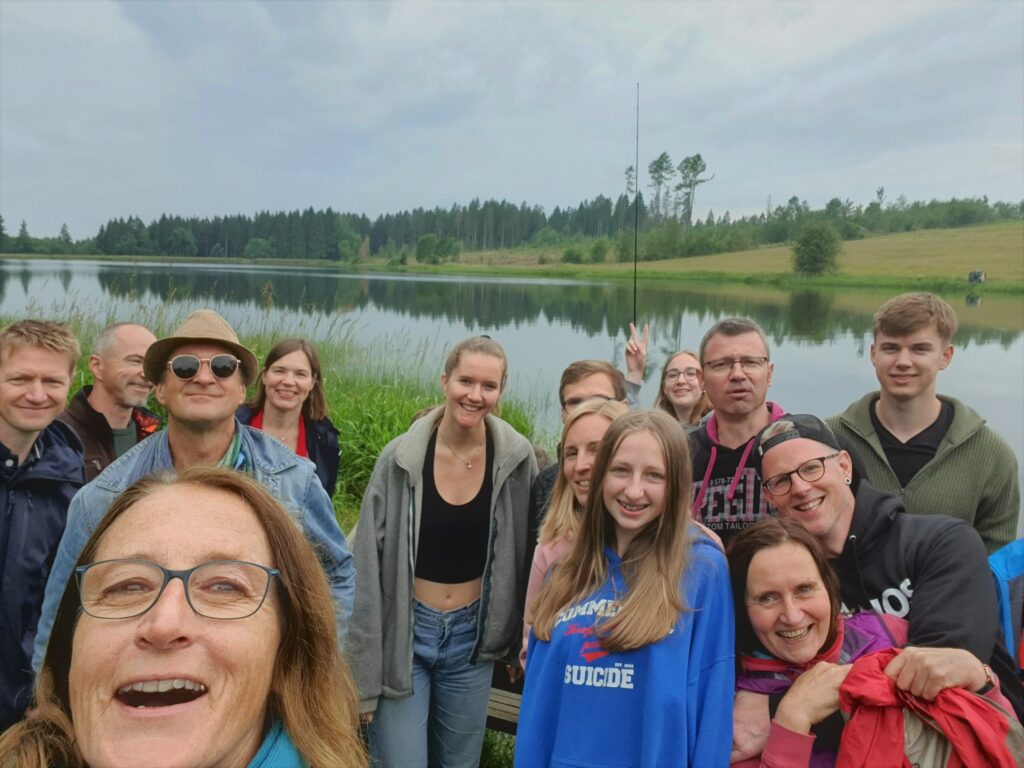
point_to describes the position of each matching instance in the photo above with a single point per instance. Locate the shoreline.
(614, 273)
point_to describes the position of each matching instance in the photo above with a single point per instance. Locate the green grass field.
(936, 257)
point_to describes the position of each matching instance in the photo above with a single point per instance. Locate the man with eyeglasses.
(201, 373)
(930, 570)
(934, 451)
(726, 471)
(109, 416)
(40, 471)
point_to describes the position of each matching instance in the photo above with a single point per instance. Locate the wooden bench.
(503, 705)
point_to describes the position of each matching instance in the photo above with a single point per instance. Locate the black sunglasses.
(186, 367)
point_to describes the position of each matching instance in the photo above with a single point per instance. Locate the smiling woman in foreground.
(199, 631)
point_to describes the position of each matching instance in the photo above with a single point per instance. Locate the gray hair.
(102, 343)
(732, 326)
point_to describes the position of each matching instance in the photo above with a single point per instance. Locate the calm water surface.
(819, 339)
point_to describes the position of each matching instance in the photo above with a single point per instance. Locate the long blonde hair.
(564, 513)
(698, 409)
(311, 690)
(655, 560)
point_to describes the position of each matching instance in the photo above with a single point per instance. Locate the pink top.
(544, 556)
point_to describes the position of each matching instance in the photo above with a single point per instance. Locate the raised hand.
(636, 354)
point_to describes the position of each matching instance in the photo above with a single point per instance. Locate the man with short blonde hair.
(40, 470)
(932, 450)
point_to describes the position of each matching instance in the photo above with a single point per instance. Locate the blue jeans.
(442, 723)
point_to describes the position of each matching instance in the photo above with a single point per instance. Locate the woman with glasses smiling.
(681, 392)
(199, 631)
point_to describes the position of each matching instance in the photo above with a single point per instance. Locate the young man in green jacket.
(933, 451)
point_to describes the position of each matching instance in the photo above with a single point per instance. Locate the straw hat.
(204, 326)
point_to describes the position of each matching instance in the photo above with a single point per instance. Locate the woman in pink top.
(581, 435)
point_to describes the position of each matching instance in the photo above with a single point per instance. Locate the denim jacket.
(291, 479)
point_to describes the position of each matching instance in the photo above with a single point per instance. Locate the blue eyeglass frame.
(169, 574)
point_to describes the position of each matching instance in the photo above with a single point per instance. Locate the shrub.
(598, 251)
(816, 250)
(572, 255)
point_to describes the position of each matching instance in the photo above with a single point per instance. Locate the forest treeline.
(667, 228)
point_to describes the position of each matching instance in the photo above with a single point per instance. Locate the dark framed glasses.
(126, 588)
(809, 471)
(187, 367)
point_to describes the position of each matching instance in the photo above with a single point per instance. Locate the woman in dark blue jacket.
(291, 405)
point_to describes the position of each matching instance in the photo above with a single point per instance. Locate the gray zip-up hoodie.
(385, 544)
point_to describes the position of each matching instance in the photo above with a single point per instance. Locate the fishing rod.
(636, 198)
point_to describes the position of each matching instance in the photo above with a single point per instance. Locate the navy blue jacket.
(34, 499)
(321, 444)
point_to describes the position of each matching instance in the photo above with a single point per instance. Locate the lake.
(819, 339)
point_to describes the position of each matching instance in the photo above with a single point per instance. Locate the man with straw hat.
(201, 373)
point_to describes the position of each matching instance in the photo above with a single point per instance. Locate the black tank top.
(453, 537)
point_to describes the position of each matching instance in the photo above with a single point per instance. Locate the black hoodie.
(931, 570)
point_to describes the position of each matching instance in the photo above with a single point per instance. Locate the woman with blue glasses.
(198, 630)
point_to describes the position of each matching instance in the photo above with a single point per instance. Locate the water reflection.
(594, 309)
(252, 287)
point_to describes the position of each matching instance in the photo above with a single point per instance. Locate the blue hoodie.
(665, 704)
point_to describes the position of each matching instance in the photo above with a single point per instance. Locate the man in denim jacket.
(201, 374)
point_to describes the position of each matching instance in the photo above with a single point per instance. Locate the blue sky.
(112, 109)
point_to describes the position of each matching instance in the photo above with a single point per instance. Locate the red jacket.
(977, 731)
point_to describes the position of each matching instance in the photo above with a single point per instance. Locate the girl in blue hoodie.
(631, 659)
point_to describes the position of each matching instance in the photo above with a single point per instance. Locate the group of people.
(707, 582)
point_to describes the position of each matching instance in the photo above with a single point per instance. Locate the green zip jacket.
(973, 475)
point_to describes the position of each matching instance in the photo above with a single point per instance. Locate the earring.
(848, 480)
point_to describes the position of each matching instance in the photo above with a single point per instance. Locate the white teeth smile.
(583, 483)
(793, 634)
(809, 505)
(632, 507)
(162, 686)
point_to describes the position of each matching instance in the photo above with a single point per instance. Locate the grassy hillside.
(912, 258)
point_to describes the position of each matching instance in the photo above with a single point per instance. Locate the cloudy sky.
(110, 109)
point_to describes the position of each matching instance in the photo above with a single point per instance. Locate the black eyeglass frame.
(236, 364)
(170, 574)
(767, 484)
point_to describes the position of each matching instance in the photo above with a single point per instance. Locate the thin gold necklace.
(468, 462)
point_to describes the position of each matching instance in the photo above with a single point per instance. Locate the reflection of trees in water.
(808, 314)
(26, 277)
(607, 308)
(310, 293)
(592, 309)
